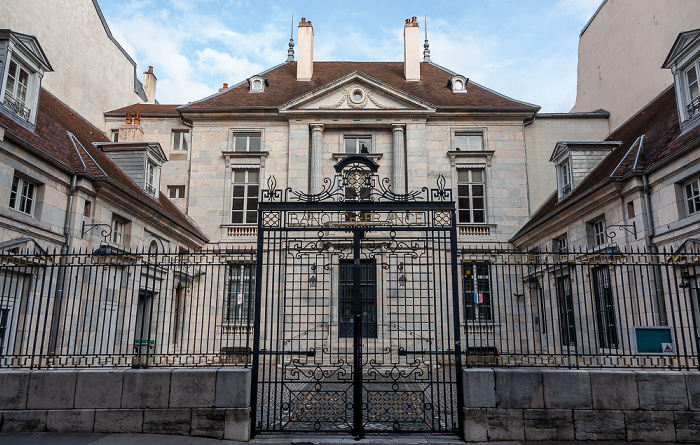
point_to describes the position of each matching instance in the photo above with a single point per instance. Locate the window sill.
(245, 154)
(470, 155)
(339, 156)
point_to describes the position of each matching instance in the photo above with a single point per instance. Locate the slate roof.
(648, 139)
(67, 140)
(283, 87)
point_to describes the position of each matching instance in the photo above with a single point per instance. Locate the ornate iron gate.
(357, 308)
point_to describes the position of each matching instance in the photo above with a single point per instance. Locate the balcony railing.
(694, 107)
(16, 107)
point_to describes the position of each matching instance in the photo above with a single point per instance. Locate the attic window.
(693, 89)
(458, 84)
(564, 178)
(257, 84)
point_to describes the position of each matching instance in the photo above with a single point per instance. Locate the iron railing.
(121, 309)
(581, 309)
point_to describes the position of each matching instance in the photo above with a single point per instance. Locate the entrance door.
(368, 298)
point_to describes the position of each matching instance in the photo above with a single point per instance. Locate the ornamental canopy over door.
(356, 308)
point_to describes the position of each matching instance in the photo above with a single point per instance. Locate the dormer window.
(22, 66)
(684, 62)
(152, 179)
(458, 84)
(257, 84)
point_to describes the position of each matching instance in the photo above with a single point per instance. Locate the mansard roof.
(649, 139)
(66, 140)
(284, 87)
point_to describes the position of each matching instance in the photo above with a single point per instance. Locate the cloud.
(580, 9)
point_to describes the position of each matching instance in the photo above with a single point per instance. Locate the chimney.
(224, 87)
(149, 85)
(305, 58)
(411, 50)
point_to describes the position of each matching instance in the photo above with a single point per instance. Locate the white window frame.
(152, 179)
(115, 136)
(358, 138)
(181, 138)
(118, 231)
(241, 287)
(692, 103)
(247, 135)
(561, 244)
(23, 194)
(176, 191)
(241, 204)
(470, 185)
(598, 232)
(467, 144)
(28, 103)
(691, 196)
(564, 178)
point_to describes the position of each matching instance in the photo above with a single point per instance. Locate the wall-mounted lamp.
(685, 284)
(517, 295)
(402, 280)
(312, 281)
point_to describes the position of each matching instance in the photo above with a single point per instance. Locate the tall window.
(244, 205)
(597, 232)
(469, 142)
(564, 178)
(358, 144)
(368, 298)
(16, 89)
(470, 196)
(22, 195)
(180, 140)
(152, 174)
(693, 89)
(240, 294)
(246, 142)
(567, 319)
(119, 227)
(692, 196)
(477, 292)
(561, 244)
(605, 307)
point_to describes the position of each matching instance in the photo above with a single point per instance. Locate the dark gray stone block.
(599, 425)
(25, 420)
(662, 390)
(687, 426)
(118, 421)
(505, 424)
(51, 389)
(146, 388)
(519, 388)
(13, 389)
(692, 382)
(167, 421)
(208, 423)
(192, 388)
(614, 390)
(549, 424)
(475, 425)
(567, 389)
(99, 389)
(479, 388)
(233, 388)
(70, 421)
(237, 424)
(650, 426)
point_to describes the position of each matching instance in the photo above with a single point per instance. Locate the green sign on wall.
(656, 340)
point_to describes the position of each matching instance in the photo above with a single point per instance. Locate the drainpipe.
(659, 292)
(60, 282)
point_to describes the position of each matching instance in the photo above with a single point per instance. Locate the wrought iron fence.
(116, 309)
(120, 309)
(581, 309)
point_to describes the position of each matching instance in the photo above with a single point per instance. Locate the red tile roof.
(52, 138)
(151, 110)
(658, 124)
(284, 87)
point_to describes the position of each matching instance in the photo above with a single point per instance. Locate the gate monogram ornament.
(357, 308)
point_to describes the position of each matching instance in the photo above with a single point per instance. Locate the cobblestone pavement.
(162, 439)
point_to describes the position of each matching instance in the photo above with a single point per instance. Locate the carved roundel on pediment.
(356, 96)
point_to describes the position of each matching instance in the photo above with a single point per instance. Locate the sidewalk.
(298, 439)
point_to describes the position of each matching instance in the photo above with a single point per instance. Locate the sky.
(524, 49)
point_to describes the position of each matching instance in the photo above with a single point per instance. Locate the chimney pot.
(150, 69)
(225, 85)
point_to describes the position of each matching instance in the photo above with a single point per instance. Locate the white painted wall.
(621, 52)
(91, 74)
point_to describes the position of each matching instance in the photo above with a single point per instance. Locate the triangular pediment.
(687, 43)
(356, 92)
(29, 47)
